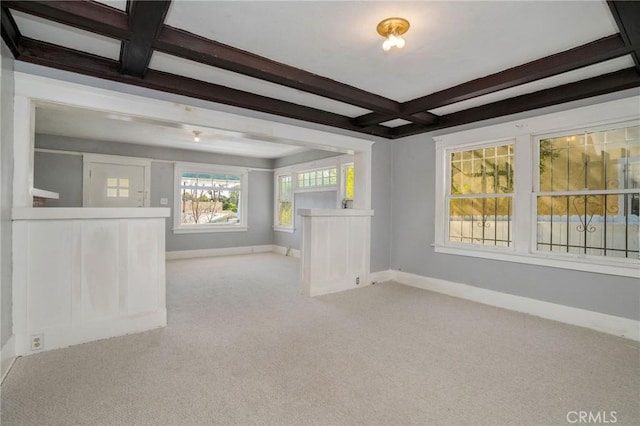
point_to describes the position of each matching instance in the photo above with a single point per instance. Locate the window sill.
(283, 229)
(204, 229)
(621, 267)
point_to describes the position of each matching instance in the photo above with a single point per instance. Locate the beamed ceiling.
(321, 62)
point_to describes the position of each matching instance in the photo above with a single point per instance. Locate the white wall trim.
(229, 251)
(382, 276)
(610, 324)
(8, 357)
(287, 251)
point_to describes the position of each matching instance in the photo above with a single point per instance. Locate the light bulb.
(400, 42)
(393, 40)
(386, 45)
(196, 136)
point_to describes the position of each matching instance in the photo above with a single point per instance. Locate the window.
(284, 202)
(209, 199)
(117, 187)
(587, 192)
(348, 182)
(567, 198)
(317, 178)
(480, 195)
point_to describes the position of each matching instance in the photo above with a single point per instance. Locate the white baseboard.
(7, 357)
(287, 251)
(382, 276)
(605, 323)
(65, 336)
(229, 251)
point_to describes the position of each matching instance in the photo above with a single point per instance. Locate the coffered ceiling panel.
(321, 62)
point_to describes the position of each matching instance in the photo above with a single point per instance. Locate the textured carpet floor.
(243, 347)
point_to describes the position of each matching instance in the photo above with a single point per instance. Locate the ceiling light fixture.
(196, 135)
(392, 29)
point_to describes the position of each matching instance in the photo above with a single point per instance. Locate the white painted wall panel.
(100, 267)
(50, 302)
(335, 250)
(79, 280)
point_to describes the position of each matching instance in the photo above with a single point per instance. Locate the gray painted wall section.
(6, 192)
(381, 184)
(303, 157)
(62, 173)
(63, 143)
(413, 201)
(304, 200)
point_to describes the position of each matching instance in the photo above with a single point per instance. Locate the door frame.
(88, 159)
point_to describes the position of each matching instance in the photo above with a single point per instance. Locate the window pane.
(112, 182)
(484, 221)
(112, 192)
(482, 171)
(209, 198)
(599, 160)
(123, 193)
(285, 213)
(595, 224)
(349, 183)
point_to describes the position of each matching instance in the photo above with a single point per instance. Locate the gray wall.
(6, 192)
(304, 200)
(413, 202)
(303, 157)
(62, 173)
(381, 222)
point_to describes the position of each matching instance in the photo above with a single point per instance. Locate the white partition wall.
(335, 250)
(86, 274)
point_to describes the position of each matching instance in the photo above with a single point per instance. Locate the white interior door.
(115, 185)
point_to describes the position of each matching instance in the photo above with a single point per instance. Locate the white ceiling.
(449, 43)
(102, 126)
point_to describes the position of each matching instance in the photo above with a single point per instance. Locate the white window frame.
(525, 133)
(447, 195)
(180, 228)
(294, 170)
(277, 226)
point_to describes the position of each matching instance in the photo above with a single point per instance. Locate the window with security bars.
(480, 195)
(588, 192)
(284, 214)
(318, 178)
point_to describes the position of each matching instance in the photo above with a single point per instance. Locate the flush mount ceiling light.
(392, 29)
(196, 135)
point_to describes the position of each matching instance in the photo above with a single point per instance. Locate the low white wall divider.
(335, 250)
(84, 274)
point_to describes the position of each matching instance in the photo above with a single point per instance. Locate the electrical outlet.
(357, 280)
(37, 342)
(164, 201)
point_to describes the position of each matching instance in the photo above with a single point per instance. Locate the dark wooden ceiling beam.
(86, 15)
(96, 17)
(10, 32)
(146, 19)
(627, 17)
(190, 46)
(588, 54)
(607, 83)
(71, 60)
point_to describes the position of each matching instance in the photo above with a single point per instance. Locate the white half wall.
(86, 274)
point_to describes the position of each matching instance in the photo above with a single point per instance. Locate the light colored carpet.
(243, 347)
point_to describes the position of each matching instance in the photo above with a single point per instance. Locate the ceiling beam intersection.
(10, 32)
(627, 17)
(50, 55)
(607, 83)
(597, 51)
(146, 19)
